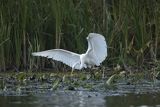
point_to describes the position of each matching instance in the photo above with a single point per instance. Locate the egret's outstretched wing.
(67, 57)
(97, 47)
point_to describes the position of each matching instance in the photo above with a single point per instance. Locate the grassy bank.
(131, 29)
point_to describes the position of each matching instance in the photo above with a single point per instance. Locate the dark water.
(133, 100)
(81, 99)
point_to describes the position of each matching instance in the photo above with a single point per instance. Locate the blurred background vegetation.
(131, 29)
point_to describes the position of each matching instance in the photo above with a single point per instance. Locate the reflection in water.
(134, 100)
(60, 99)
(17, 101)
(81, 99)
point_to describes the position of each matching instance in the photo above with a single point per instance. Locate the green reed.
(131, 28)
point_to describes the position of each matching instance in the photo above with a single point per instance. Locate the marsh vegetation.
(131, 29)
(131, 70)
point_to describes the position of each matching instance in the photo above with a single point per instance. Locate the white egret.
(95, 54)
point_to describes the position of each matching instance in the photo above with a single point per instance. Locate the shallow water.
(134, 100)
(81, 99)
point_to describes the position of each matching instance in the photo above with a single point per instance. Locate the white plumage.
(95, 55)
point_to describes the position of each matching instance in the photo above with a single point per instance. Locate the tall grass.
(131, 28)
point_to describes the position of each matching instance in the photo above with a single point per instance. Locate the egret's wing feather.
(67, 57)
(97, 47)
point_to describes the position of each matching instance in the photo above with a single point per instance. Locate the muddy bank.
(24, 83)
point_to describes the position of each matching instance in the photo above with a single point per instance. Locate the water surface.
(82, 99)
